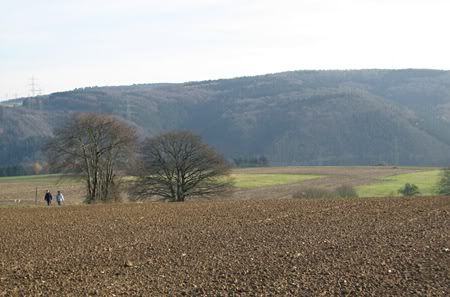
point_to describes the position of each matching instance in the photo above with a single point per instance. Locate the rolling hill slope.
(302, 117)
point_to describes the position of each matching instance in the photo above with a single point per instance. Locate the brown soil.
(356, 247)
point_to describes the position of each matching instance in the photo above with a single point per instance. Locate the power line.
(34, 90)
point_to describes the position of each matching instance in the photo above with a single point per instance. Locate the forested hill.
(359, 117)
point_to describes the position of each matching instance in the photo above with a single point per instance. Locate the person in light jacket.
(59, 198)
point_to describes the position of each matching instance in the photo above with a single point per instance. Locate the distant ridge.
(327, 117)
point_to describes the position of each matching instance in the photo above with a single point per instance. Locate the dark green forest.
(359, 117)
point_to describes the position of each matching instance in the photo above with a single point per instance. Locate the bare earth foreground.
(357, 247)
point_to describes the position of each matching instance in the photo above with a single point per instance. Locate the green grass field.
(379, 181)
(389, 186)
(251, 181)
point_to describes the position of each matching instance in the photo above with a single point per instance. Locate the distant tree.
(409, 190)
(263, 161)
(13, 170)
(37, 168)
(444, 182)
(260, 161)
(178, 165)
(95, 147)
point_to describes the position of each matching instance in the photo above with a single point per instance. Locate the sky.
(67, 44)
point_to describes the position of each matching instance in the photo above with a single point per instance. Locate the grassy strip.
(40, 179)
(388, 186)
(251, 181)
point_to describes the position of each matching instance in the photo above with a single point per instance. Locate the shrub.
(314, 193)
(346, 191)
(444, 183)
(409, 190)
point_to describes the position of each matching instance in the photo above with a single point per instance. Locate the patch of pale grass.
(388, 186)
(251, 181)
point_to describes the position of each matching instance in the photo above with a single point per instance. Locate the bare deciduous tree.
(178, 165)
(95, 147)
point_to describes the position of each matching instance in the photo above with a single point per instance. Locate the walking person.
(59, 198)
(48, 197)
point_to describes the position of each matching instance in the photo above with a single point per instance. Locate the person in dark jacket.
(48, 197)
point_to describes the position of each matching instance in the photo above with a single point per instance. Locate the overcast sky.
(67, 44)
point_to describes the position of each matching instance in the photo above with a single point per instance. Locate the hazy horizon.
(73, 44)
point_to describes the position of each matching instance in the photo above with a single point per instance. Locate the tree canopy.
(178, 165)
(95, 147)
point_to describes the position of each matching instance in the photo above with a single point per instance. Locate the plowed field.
(360, 247)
